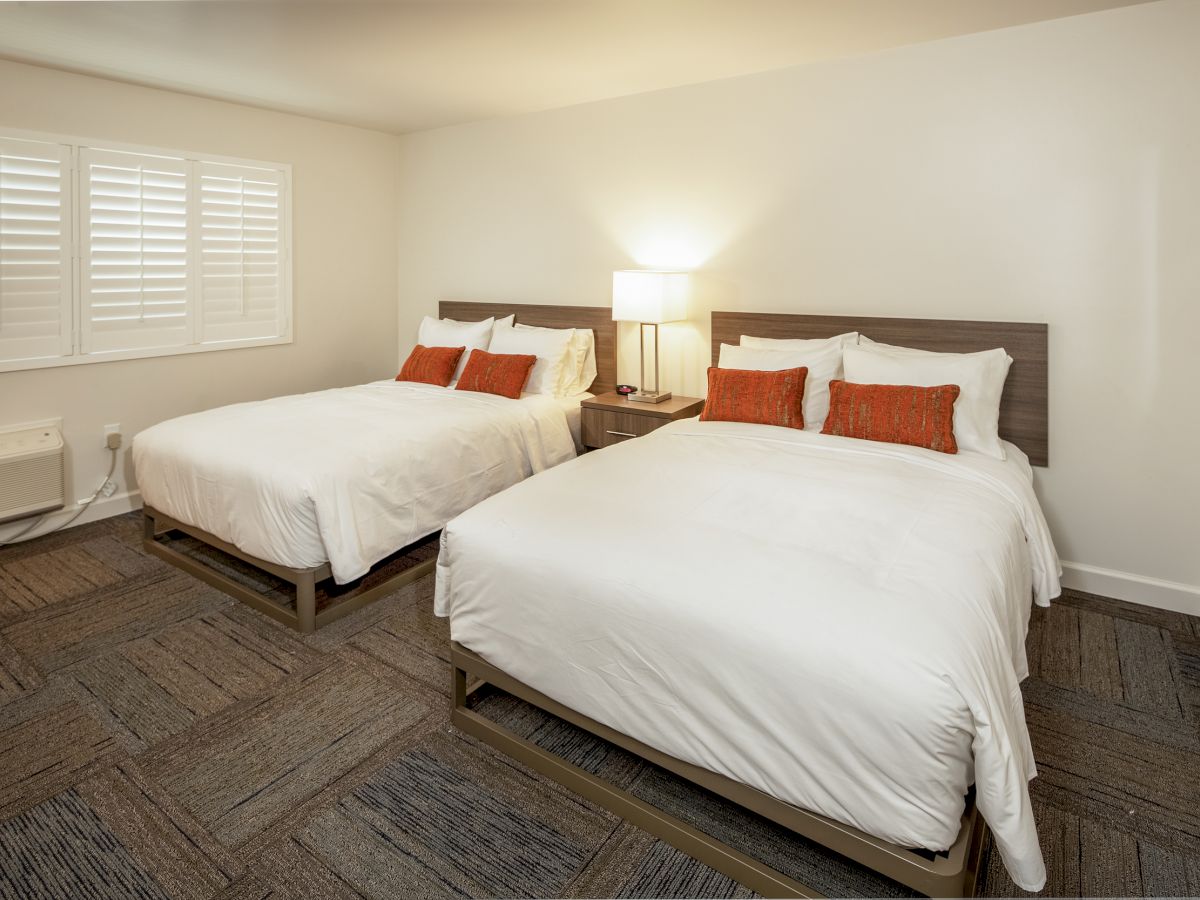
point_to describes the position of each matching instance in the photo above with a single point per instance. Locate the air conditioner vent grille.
(31, 473)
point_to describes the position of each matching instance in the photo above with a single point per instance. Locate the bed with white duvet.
(347, 476)
(837, 622)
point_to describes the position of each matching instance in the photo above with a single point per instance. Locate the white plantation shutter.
(242, 252)
(119, 254)
(135, 279)
(35, 250)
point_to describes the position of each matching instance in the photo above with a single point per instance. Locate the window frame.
(73, 212)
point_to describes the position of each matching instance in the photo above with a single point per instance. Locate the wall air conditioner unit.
(31, 472)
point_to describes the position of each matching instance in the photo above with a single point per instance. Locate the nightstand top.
(675, 408)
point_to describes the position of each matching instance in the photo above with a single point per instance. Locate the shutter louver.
(135, 273)
(242, 285)
(35, 250)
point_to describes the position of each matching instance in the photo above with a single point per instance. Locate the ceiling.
(408, 65)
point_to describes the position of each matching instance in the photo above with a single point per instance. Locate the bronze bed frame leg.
(306, 603)
(953, 875)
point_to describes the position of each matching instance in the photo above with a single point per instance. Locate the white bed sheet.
(839, 623)
(573, 408)
(349, 475)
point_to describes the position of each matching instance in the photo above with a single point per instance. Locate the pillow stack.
(822, 358)
(563, 359)
(979, 376)
(858, 388)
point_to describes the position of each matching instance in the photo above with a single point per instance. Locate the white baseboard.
(103, 508)
(1172, 595)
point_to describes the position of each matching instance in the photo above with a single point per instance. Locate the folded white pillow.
(848, 339)
(980, 378)
(448, 333)
(824, 362)
(550, 346)
(579, 371)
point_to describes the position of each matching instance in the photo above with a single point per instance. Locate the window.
(115, 252)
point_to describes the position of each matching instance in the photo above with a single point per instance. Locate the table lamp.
(649, 298)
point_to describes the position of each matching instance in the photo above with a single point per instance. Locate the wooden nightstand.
(610, 418)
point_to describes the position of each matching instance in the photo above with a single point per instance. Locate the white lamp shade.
(642, 295)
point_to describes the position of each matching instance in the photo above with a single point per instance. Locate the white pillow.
(824, 362)
(550, 346)
(448, 333)
(506, 322)
(496, 323)
(980, 378)
(589, 361)
(579, 371)
(848, 339)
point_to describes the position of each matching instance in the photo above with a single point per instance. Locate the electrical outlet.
(112, 436)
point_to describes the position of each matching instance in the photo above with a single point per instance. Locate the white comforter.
(839, 623)
(347, 476)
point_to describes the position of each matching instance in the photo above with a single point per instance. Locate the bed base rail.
(953, 874)
(302, 615)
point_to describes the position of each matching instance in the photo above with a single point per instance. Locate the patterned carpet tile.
(1187, 676)
(1129, 781)
(240, 771)
(251, 887)
(53, 577)
(401, 642)
(61, 848)
(663, 872)
(47, 746)
(444, 819)
(632, 863)
(156, 686)
(291, 870)
(17, 675)
(103, 619)
(159, 833)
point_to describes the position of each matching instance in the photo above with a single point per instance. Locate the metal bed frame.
(302, 615)
(953, 874)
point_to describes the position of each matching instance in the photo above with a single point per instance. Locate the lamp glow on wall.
(650, 297)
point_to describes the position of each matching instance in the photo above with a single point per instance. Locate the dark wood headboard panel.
(1024, 412)
(597, 318)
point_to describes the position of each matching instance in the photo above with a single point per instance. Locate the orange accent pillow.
(496, 373)
(761, 398)
(431, 365)
(894, 414)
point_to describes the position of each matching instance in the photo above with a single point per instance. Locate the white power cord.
(23, 535)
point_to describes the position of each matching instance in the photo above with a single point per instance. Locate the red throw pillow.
(894, 414)
(496, 373)
(761, 398)
(431, 365)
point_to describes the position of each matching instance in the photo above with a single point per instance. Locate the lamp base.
(649, 396)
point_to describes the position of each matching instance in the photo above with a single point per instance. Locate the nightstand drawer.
(603, 428)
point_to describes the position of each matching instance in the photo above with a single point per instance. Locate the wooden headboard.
(597, 318)
(1024, 413)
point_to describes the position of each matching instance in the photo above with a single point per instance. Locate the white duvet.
(347, 476)
(839, 623)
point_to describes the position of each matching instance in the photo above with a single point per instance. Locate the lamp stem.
(642, 352)
(655, 327)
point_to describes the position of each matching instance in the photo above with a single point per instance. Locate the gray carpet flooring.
(158, 739)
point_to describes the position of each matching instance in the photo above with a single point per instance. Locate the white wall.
(1049, 172)
(344, 251)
